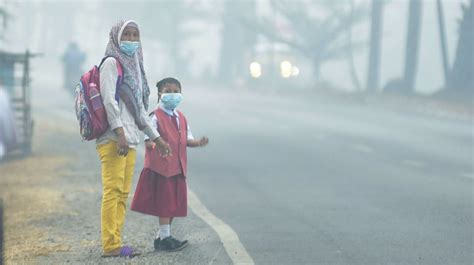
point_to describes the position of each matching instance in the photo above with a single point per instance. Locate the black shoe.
(172, 244)
(156, 243)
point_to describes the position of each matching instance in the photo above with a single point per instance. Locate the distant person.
(8, 137)
(161, 190)
(127, 116)
(72, 59)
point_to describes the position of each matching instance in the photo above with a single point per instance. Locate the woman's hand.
(163, 147)
(122, 143)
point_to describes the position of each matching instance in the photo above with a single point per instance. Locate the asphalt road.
(301, 179)
(309, 180)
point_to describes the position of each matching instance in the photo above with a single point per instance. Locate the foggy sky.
(31, 29)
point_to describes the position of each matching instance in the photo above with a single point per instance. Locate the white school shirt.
(154, 121)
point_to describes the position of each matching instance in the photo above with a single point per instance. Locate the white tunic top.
(117, 113)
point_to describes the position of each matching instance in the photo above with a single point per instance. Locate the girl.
(161, 189)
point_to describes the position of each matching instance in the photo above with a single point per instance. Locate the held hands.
(149, 144)
(163, 147)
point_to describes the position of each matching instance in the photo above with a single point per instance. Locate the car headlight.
(285, 69)
(295, 71)
(255, 70)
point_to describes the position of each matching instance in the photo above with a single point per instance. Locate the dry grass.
(29, 196)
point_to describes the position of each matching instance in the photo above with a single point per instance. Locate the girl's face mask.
(129, 47)
(171, 100)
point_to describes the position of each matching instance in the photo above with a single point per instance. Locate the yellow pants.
(117, 173)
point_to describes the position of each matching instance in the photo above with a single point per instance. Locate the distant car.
(277, 62)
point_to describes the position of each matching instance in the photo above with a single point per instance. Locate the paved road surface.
(309, 181)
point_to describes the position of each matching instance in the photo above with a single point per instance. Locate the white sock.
(165, 231)
(157, 234)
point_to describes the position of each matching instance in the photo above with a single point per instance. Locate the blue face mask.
(129, 47)
(171, 100)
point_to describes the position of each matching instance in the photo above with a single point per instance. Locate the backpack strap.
(119, 77)
(119, 67)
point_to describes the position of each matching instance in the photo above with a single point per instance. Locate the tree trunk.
(350, 55)
(229, 45)
(412, 44)
(442, 38)
(375, 40)
(237, 42)
(461, 75)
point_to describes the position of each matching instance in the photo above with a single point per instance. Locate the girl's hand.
(198, 143)
(149, 144)
(203, 141)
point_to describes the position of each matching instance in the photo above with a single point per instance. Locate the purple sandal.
(128, 252)
(125, 252)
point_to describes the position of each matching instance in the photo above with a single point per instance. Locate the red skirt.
(160, 196)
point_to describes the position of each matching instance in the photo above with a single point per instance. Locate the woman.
(126, 113)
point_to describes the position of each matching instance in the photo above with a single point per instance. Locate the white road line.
(228, 237)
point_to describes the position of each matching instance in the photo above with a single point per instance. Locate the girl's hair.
(168, 80)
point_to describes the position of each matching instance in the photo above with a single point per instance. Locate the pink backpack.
(90, 110)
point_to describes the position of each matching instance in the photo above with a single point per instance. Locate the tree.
(350, 53)
(5, 17)
(236, 42)
(412, 44)
(407, 81)
(461, 74)
(442, 38)
(318, 28)
(375, 40)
